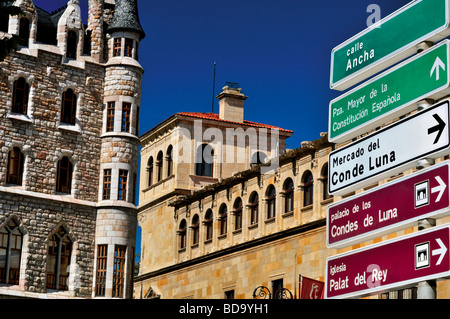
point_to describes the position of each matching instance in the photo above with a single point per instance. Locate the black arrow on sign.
(438, 128)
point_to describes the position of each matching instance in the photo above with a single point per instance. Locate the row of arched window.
(253, 206)
(58, 256)
(161, 168)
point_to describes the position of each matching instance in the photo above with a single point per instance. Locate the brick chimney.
(231, 103)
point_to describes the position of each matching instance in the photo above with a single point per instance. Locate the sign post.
(418, 199)
(388, 42)
(391, 94)
(391, 150)
(391, 207)
(395, 264)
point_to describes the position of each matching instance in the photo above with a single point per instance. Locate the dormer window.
(20, 96)
(24, 31)
(71, 45)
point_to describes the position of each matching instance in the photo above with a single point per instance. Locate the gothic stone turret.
(117, 213)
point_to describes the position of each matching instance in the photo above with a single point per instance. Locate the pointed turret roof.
(126, 18)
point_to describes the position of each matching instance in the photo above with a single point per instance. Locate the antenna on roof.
(214, 86)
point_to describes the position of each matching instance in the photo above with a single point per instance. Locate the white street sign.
(390, 150)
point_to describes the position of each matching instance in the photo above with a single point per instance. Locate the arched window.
(68, 107)
(258, 158)
(159, 166)
(182, 234)
(64, 176)
(58, 260)
(237, 211)
(205, 160)
(288, 195)
(150, 171)
(223, 217)
(307, 188)
(11, 239)
(21, 91)
(324, 177)
(24, 31)
(169, 160)
(254, 208)
(14, 171)
(71, 45)
(208, 225)
(195, 229)
(270, 199)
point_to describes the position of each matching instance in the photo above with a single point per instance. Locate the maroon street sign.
(394, 264)
(389, 208)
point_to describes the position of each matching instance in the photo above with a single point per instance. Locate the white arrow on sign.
(441, 188)
(441, 251)
(437, 64)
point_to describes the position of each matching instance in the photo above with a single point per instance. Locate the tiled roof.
(215, 117)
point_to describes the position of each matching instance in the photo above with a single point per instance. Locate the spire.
(126, 17)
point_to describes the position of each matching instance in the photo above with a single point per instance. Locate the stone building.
(69, 110)
(240, 226)
(216, 225)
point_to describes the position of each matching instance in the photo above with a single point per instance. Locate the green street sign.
(389, 41)
(391, 94)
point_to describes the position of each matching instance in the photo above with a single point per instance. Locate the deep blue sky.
(279, 52)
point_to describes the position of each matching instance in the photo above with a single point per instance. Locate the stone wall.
(39, 134)
(43, 140)
(245, 270)
(39, 217)
(160, 221)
